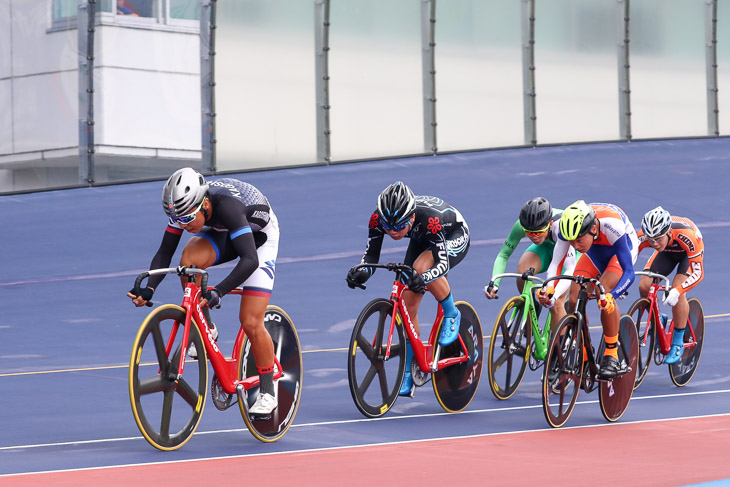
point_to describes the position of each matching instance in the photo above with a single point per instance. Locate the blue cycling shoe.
(449, 329)
(675, 353)
(407, 388)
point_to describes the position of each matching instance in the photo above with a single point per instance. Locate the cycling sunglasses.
(538, 233)
(187, 219)
(395, 228)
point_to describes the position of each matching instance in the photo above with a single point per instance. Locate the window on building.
(146, 12)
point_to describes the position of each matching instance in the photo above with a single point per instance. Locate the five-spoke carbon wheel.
(375, 381)
(646, 330)
(167, 409)
(509, 349)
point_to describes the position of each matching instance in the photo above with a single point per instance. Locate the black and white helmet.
(536, 214)
(396, 204)
(183, 192)
(656, 222)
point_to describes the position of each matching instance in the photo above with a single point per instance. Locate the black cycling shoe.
(610, 367)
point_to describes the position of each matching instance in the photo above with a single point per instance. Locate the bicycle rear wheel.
(682, 372)
(167, 409)
(374, 387)
(456, 385)
(509, 349)
(288, 387)
(562, 372)
(646, 330)
(614, 395)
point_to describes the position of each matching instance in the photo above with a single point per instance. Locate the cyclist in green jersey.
(536, 223)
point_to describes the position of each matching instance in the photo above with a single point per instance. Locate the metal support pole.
(624, 66)
(322, 78)
(207, 84)
(713, 112)
(85, 27)
(428, 68)
(529, 104)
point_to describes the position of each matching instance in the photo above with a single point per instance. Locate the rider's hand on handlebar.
(608, 305)
(417, 284)
(491, 291)
(357, 277)
(145, 294)
(546, 297)
(211, 298)
(672, 297)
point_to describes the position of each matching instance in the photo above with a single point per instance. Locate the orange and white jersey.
(685, 237)
(614, 224)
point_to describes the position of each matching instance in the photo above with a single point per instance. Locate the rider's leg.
(251, 316)
(680, 312)
(199, 252)
(527, 260)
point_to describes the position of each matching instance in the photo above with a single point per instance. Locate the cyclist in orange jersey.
(606, 239)
(677, 242)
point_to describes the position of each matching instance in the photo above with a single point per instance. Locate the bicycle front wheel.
(683, 371)
(167, 408)
(287, 389)
(509, 349)
(640, 312)
(456, 385)
(562, 372)
(374, 387)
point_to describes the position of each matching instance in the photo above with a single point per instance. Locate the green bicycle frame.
(540, 337)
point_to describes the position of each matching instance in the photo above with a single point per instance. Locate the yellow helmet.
(577, 220)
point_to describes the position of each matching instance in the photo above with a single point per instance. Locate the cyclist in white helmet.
(677, 243)
(229, 220)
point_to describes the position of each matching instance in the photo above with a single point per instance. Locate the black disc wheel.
(614, 395)
(456, 385)
(374, 379)
(509, 349)
(167, 408)
(646, 331)
(682, 372)
(562, 372)
(288, 388)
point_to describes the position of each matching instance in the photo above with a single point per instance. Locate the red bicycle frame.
(664, 336)
(226, 369)
(421, 352)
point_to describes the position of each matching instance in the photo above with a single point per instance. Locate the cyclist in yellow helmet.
(607, 241)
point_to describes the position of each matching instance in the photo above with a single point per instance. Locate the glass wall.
(576, 71)
(264, 75)
(668, 80)
(479, 74)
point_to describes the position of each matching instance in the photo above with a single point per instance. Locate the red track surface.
(669, 452)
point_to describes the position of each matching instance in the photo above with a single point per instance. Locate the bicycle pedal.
(259, 417)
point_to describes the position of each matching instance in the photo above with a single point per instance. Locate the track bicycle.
(377, 353)
(572, 364)
(168, 398)
(517, 339)
(657, 340)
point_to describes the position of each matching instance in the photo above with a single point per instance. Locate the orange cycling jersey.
(684, 237)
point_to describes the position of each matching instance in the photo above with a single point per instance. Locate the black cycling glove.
(144, 292)
(357, 277)
(417, 284)
(213, 297)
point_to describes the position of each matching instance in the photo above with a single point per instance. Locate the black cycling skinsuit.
(240, 211)
(438, 227)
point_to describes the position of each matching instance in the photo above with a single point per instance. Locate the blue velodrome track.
(68, 257)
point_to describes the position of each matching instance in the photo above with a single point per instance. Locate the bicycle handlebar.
(654, 275)
(528, 275)
(179, 270)
(582, 281)
(391, 266)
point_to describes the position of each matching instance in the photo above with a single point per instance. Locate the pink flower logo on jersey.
(434, 225)
(373, 220)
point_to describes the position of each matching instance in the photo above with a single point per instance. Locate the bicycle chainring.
(419, 377)
(221, 399)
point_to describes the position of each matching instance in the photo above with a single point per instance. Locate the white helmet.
(656, 222)
(183, 192)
